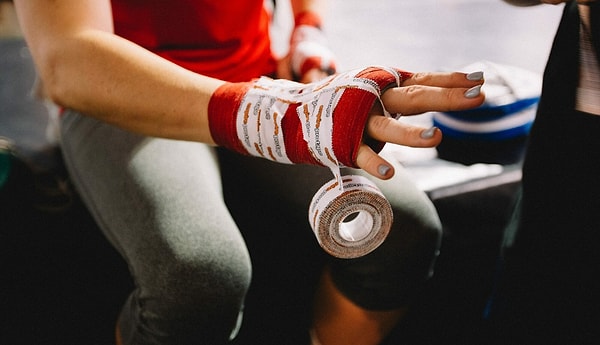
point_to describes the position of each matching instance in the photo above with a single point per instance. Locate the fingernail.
(475, 76)
(428, 133)
(473, 92)
(383, 169)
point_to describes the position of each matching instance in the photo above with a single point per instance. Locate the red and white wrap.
(321, 123)
(308, 46)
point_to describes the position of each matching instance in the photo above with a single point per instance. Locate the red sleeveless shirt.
(228, 40)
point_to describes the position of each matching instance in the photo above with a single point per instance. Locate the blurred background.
(429, 35)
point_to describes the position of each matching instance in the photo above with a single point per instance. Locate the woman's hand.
(420, 93)
(337, 121)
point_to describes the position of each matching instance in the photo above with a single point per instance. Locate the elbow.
(51, 72)
(52, 86)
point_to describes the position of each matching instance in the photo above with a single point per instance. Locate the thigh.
(394, 274)
(270, 202)
(159, 202)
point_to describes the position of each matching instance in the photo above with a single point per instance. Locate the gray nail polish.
(475, 76)
(428, 133)
(473, 92)
(383, 169)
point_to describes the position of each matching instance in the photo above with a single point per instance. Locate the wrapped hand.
(336, 121)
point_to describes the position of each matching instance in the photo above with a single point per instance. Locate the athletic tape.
(260, 132)
(353, 221)
(259, 123)
(293, 123)
(342, 197)
(309, 50)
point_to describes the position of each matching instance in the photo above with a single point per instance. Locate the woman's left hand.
(422, 92)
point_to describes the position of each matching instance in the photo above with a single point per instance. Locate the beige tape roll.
(352, 221)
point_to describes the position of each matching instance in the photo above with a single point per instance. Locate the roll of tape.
(351, 221)
(349, 215)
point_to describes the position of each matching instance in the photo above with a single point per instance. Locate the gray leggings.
(161, 204)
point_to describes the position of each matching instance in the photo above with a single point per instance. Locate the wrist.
(222, 114)
(309, 49)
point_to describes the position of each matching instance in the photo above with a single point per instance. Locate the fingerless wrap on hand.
(320, 123)
(308, 46)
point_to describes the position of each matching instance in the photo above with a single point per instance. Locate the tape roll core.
(356, 226)
(352, 221)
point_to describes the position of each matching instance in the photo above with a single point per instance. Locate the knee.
(215, 282)
(188, 299)
(394, 274)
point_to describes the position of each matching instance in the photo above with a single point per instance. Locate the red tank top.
(228, 40)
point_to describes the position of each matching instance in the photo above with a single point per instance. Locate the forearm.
(128, 86)
(84, 66)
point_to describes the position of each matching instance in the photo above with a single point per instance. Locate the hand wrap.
(308, 46)
(321, 123)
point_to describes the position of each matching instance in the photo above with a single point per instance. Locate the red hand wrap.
(222, 114)
(308, 46)
(319, 123)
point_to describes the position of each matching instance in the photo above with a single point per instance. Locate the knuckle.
(378, 124)
(448, 99)
(421, 77)
(413, 91)
(457, 76)
(371, 161)
(451, 95)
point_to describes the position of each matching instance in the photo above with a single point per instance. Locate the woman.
(143, 85)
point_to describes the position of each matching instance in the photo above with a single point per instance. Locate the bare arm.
(85, 67)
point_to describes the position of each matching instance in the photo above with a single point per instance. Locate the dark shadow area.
(61, 281)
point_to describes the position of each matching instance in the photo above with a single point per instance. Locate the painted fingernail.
(475, 76)
(473, 92)
(383, 169)
(428, 133)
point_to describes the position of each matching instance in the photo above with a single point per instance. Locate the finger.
(445, 79)
(417, 99)
(388, 130)
(373, 163)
